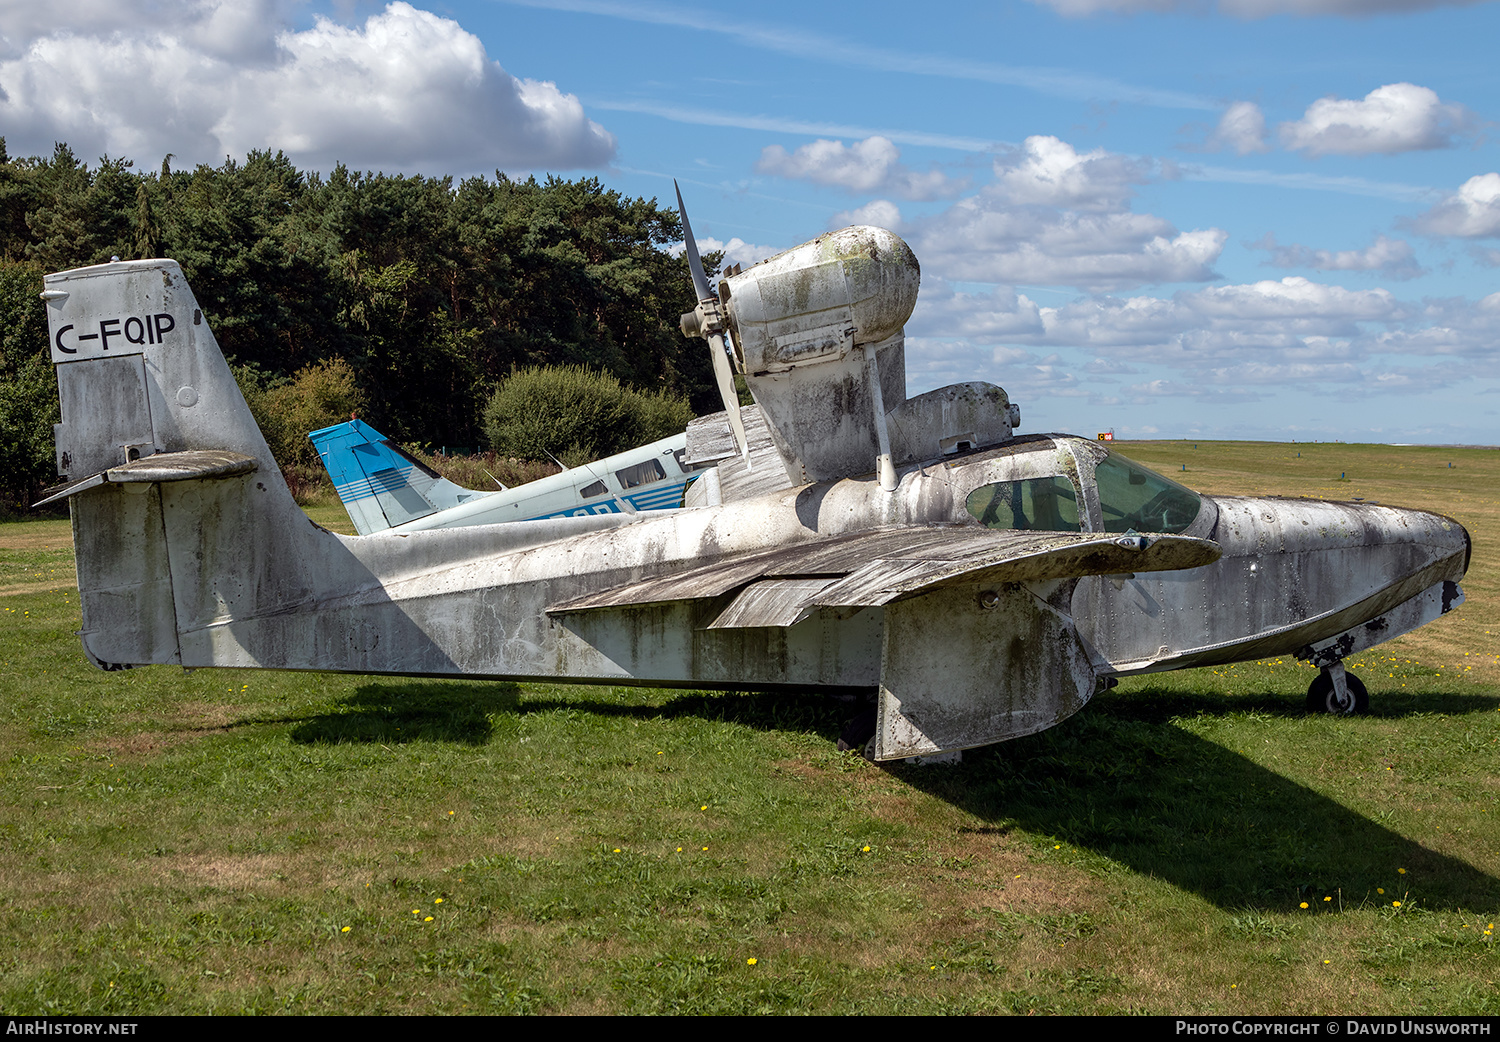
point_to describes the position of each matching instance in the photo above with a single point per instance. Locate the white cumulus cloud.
(1472, 212)
(871, 165)
(735, 251)
(881, 213)
(1242, 129)
(1393, 258)
(980, 241)
(1049, 172)
(404, 90)
(1399, 117)
(1056, 216)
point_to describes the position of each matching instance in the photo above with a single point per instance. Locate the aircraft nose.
(1337, 550)
(1447, 540)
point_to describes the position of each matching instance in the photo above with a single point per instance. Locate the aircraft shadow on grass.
(1118, 780)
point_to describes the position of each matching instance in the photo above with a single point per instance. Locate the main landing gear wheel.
(859, 735)
(1321, 699)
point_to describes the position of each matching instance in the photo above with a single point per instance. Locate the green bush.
(577, 414)
(320, 395)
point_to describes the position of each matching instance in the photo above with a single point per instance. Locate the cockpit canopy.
(1129, 498)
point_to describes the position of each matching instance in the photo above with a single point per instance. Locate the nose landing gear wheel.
(1321, 697)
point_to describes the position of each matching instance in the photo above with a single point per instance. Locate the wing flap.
(771, 602)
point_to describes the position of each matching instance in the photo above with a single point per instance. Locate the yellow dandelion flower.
(1395, 904)
(751, 961)
(679, 850)
(345, 929)
(704, 807)
(1402, 871)
(1380, 889)
(866, 849)
(617, 850)
(705, 848)
(1302, 905)
(428, 919)
(437, 900)
(1328, 899)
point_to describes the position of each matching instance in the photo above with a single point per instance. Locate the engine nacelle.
(814, 303)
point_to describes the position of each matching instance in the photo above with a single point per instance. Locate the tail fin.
(138, 370)
(380, 484)
(151, 412)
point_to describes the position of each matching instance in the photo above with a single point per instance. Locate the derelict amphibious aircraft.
(383, 486)
(984, 584)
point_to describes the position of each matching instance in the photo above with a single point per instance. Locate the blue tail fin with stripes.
(380, 484)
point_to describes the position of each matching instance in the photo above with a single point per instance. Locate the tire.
(858, 733)
(1320, 696)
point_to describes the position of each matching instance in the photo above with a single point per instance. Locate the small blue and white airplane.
(385, 487)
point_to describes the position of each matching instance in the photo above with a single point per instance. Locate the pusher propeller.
(707, 321)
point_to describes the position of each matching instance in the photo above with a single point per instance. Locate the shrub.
(577, 414)
(320, 395)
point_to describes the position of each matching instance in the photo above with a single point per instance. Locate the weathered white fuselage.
(209, 562)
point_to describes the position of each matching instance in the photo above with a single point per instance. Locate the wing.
(782, 586)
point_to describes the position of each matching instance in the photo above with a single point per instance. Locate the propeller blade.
(723, 374)
(725, 378)
(695, 265)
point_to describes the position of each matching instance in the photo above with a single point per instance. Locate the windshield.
(1136, 499)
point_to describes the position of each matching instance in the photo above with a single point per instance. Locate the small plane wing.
(784, 585)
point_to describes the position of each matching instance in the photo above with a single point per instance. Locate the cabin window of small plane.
(641, 474)
(1136, 499)
(596, 489)
(1036, 504)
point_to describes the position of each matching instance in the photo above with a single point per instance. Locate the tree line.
(426, 293)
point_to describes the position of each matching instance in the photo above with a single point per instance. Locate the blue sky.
(1242, 219)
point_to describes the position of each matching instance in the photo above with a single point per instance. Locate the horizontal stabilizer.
(164, 466)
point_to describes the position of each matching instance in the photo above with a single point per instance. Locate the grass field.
(226, 842)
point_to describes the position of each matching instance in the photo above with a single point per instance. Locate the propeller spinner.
(707, 320)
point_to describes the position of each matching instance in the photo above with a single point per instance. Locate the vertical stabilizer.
(139, 371)
(155, 438)
(380, 484)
